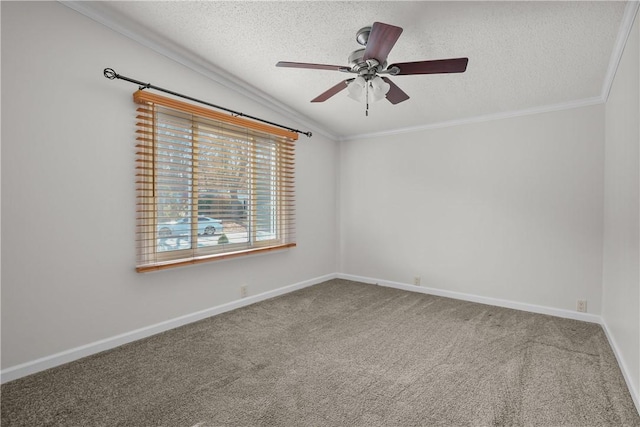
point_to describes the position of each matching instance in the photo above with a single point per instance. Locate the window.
(210, 185)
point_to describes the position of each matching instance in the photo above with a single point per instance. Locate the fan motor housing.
(356, 58)
(359, 65)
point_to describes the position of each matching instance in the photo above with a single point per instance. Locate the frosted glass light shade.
(356, 88)
(379, 88)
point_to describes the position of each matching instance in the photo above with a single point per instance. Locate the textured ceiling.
(522, 55)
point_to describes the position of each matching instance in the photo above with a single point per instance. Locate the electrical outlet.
(581, 305)
(416, 280)
(243, 291)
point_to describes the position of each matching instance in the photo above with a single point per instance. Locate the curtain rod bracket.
(111, 75)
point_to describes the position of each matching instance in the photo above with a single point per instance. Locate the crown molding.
(630, 12)
(128, 28)
(484, 118)
(133, 31)
(628, 17)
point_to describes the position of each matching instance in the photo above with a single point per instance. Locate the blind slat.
(209, 185)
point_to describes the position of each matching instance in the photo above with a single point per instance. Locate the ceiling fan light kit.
(373, 89)
(371, 61)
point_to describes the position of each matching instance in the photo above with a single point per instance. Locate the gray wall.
(621, 279)
(508, 209)
(539, 209)
(68, 191)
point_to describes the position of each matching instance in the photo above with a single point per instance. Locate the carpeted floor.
(341, 354)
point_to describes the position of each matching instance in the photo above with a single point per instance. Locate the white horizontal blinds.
(208, 188)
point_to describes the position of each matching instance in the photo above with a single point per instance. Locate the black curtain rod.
(111, 74)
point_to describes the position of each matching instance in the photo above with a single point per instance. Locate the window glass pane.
(223, 181)
(174, 181)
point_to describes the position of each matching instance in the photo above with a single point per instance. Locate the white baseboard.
(635, 395)
(70, 355)
(568, 314)
(67, 356)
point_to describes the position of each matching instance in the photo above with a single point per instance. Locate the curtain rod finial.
(110, 73)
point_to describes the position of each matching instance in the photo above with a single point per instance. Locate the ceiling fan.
(371, 61)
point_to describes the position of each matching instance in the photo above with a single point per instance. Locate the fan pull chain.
(366, 112)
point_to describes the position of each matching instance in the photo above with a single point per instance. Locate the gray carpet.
(341, 354)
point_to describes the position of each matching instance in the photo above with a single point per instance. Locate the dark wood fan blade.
(439, 66)
(312, 66)
(381, 40)
(329, 93)
(395, 94)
